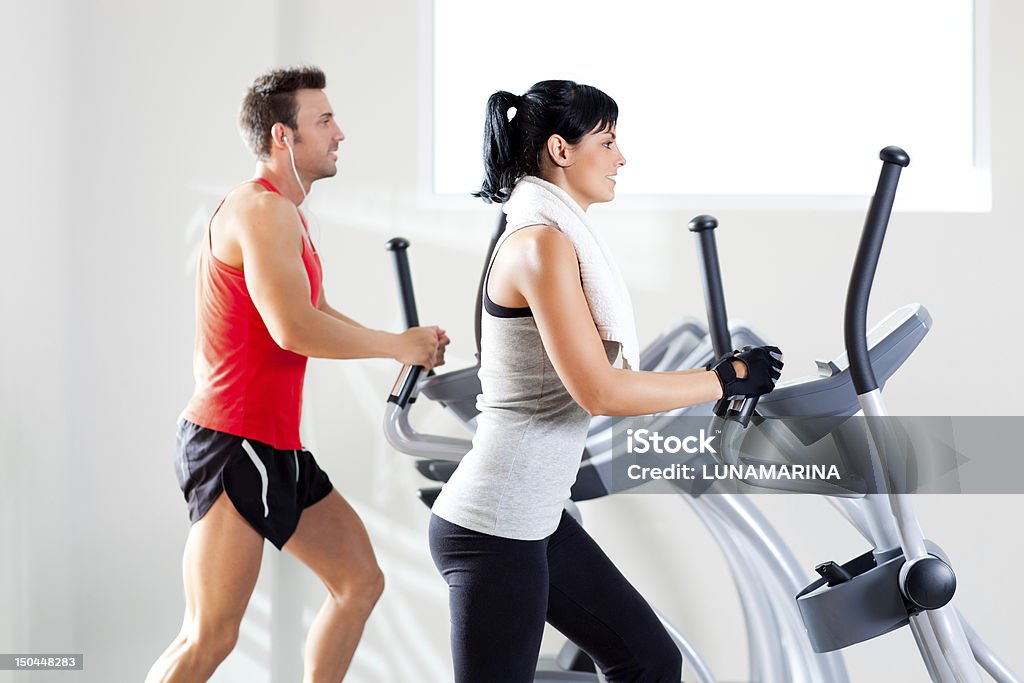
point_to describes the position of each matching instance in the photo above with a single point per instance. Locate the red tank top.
(246, 384)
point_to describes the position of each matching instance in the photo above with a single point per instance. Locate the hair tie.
(513, 108)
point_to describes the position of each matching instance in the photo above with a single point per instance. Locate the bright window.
(744, 99)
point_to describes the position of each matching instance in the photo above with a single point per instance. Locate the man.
(260, 313)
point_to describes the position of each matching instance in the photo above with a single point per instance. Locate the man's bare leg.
(221, 564)
(332, 541)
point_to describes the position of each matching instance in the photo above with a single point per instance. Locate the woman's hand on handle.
(752, 371)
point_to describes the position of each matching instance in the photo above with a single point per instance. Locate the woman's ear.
(559, 151)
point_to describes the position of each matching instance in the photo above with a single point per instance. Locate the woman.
(557, 315)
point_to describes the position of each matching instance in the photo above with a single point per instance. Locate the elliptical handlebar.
(398, 246)
(402, 391)
(894, 160)
(703, 229)
(405, 385)
(400, 434)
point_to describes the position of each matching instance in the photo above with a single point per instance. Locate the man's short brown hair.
(271, 99)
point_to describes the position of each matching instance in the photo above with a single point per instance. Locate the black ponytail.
(500, 168)
(513, 148)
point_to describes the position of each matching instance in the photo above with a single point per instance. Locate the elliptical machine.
(765, 571)
(905, 579)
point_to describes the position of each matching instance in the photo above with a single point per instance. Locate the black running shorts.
(269, 487)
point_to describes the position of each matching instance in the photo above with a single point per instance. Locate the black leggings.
(501, 591)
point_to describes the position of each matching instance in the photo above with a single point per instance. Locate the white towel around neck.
(538, 202)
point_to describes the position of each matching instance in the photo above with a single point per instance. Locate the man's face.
(317, 137)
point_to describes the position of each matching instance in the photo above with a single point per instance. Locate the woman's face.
(593, 163)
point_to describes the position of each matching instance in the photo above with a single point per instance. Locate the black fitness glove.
(764, 367)
(710, 365)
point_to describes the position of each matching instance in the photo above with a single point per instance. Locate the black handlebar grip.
(703, 228)
(399, 246)
(855, 315)
(894, 159)
(895, 155)
(401, 399)
(703, 222)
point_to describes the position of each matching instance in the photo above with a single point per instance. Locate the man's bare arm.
(271, 243)
(323, 306)
(442, 336)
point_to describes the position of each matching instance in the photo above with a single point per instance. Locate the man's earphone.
(291, 154)
(284, 139)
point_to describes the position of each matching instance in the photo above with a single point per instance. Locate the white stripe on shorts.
(296, 454)
(263, 473)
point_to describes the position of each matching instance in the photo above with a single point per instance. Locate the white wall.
(36, 515)
(120, 131)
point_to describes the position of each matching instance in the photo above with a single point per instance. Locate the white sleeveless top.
(530, 435)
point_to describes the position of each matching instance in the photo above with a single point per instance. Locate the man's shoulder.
(251, 207)
(255, 201)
